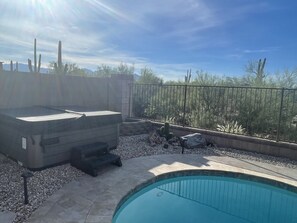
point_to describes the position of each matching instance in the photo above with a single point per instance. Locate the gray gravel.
(45, 183)
(40, 186)
(135, 146)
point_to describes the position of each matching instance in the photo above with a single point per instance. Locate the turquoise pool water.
(209, 199)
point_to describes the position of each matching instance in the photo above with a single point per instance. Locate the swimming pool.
(209, 199)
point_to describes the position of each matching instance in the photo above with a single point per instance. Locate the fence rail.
(269, 113)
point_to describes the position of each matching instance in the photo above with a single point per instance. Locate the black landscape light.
(26, 175)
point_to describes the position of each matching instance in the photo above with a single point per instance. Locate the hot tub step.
(89, 158)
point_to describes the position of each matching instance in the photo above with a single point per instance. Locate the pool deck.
(94, 199)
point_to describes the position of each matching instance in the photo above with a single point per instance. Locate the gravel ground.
(45, 183)
(40, 186)
(135, 146)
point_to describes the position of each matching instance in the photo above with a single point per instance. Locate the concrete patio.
(89, 199)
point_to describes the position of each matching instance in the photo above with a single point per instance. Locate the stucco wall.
(19, 89)
(26, 89)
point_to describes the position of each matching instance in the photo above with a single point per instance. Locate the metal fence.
(269, 113)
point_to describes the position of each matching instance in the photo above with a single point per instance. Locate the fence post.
(108, 94)
(185, 102)
(130, 99)
(280, 114)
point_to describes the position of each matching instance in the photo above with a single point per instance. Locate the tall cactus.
(260, 70)
(60, 68)
(36, 67)
(188, 77)
(11, 66)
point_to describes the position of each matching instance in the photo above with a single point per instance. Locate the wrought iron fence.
(269, 113)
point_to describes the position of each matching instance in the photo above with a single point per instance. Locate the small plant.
(231, 127)
(164, 131)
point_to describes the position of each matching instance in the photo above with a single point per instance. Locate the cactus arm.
(263, 65)
(30, 65)
(259, 67)
(60, 55)
(39, 63)
(65, 69)
(56, 67)
(35, 58)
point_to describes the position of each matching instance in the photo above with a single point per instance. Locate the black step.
(89, 158)
(102, 160)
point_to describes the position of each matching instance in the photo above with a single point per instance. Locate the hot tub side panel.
(13, 143)
(41, 151)
(55, 148)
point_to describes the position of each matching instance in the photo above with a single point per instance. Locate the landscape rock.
(195, 140)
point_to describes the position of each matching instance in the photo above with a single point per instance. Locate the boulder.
(195, 140)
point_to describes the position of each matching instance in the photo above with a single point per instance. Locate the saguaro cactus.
(36, 67)
(188, 77)
(260, 70)
(60, 68)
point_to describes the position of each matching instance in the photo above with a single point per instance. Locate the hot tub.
(38, 137)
